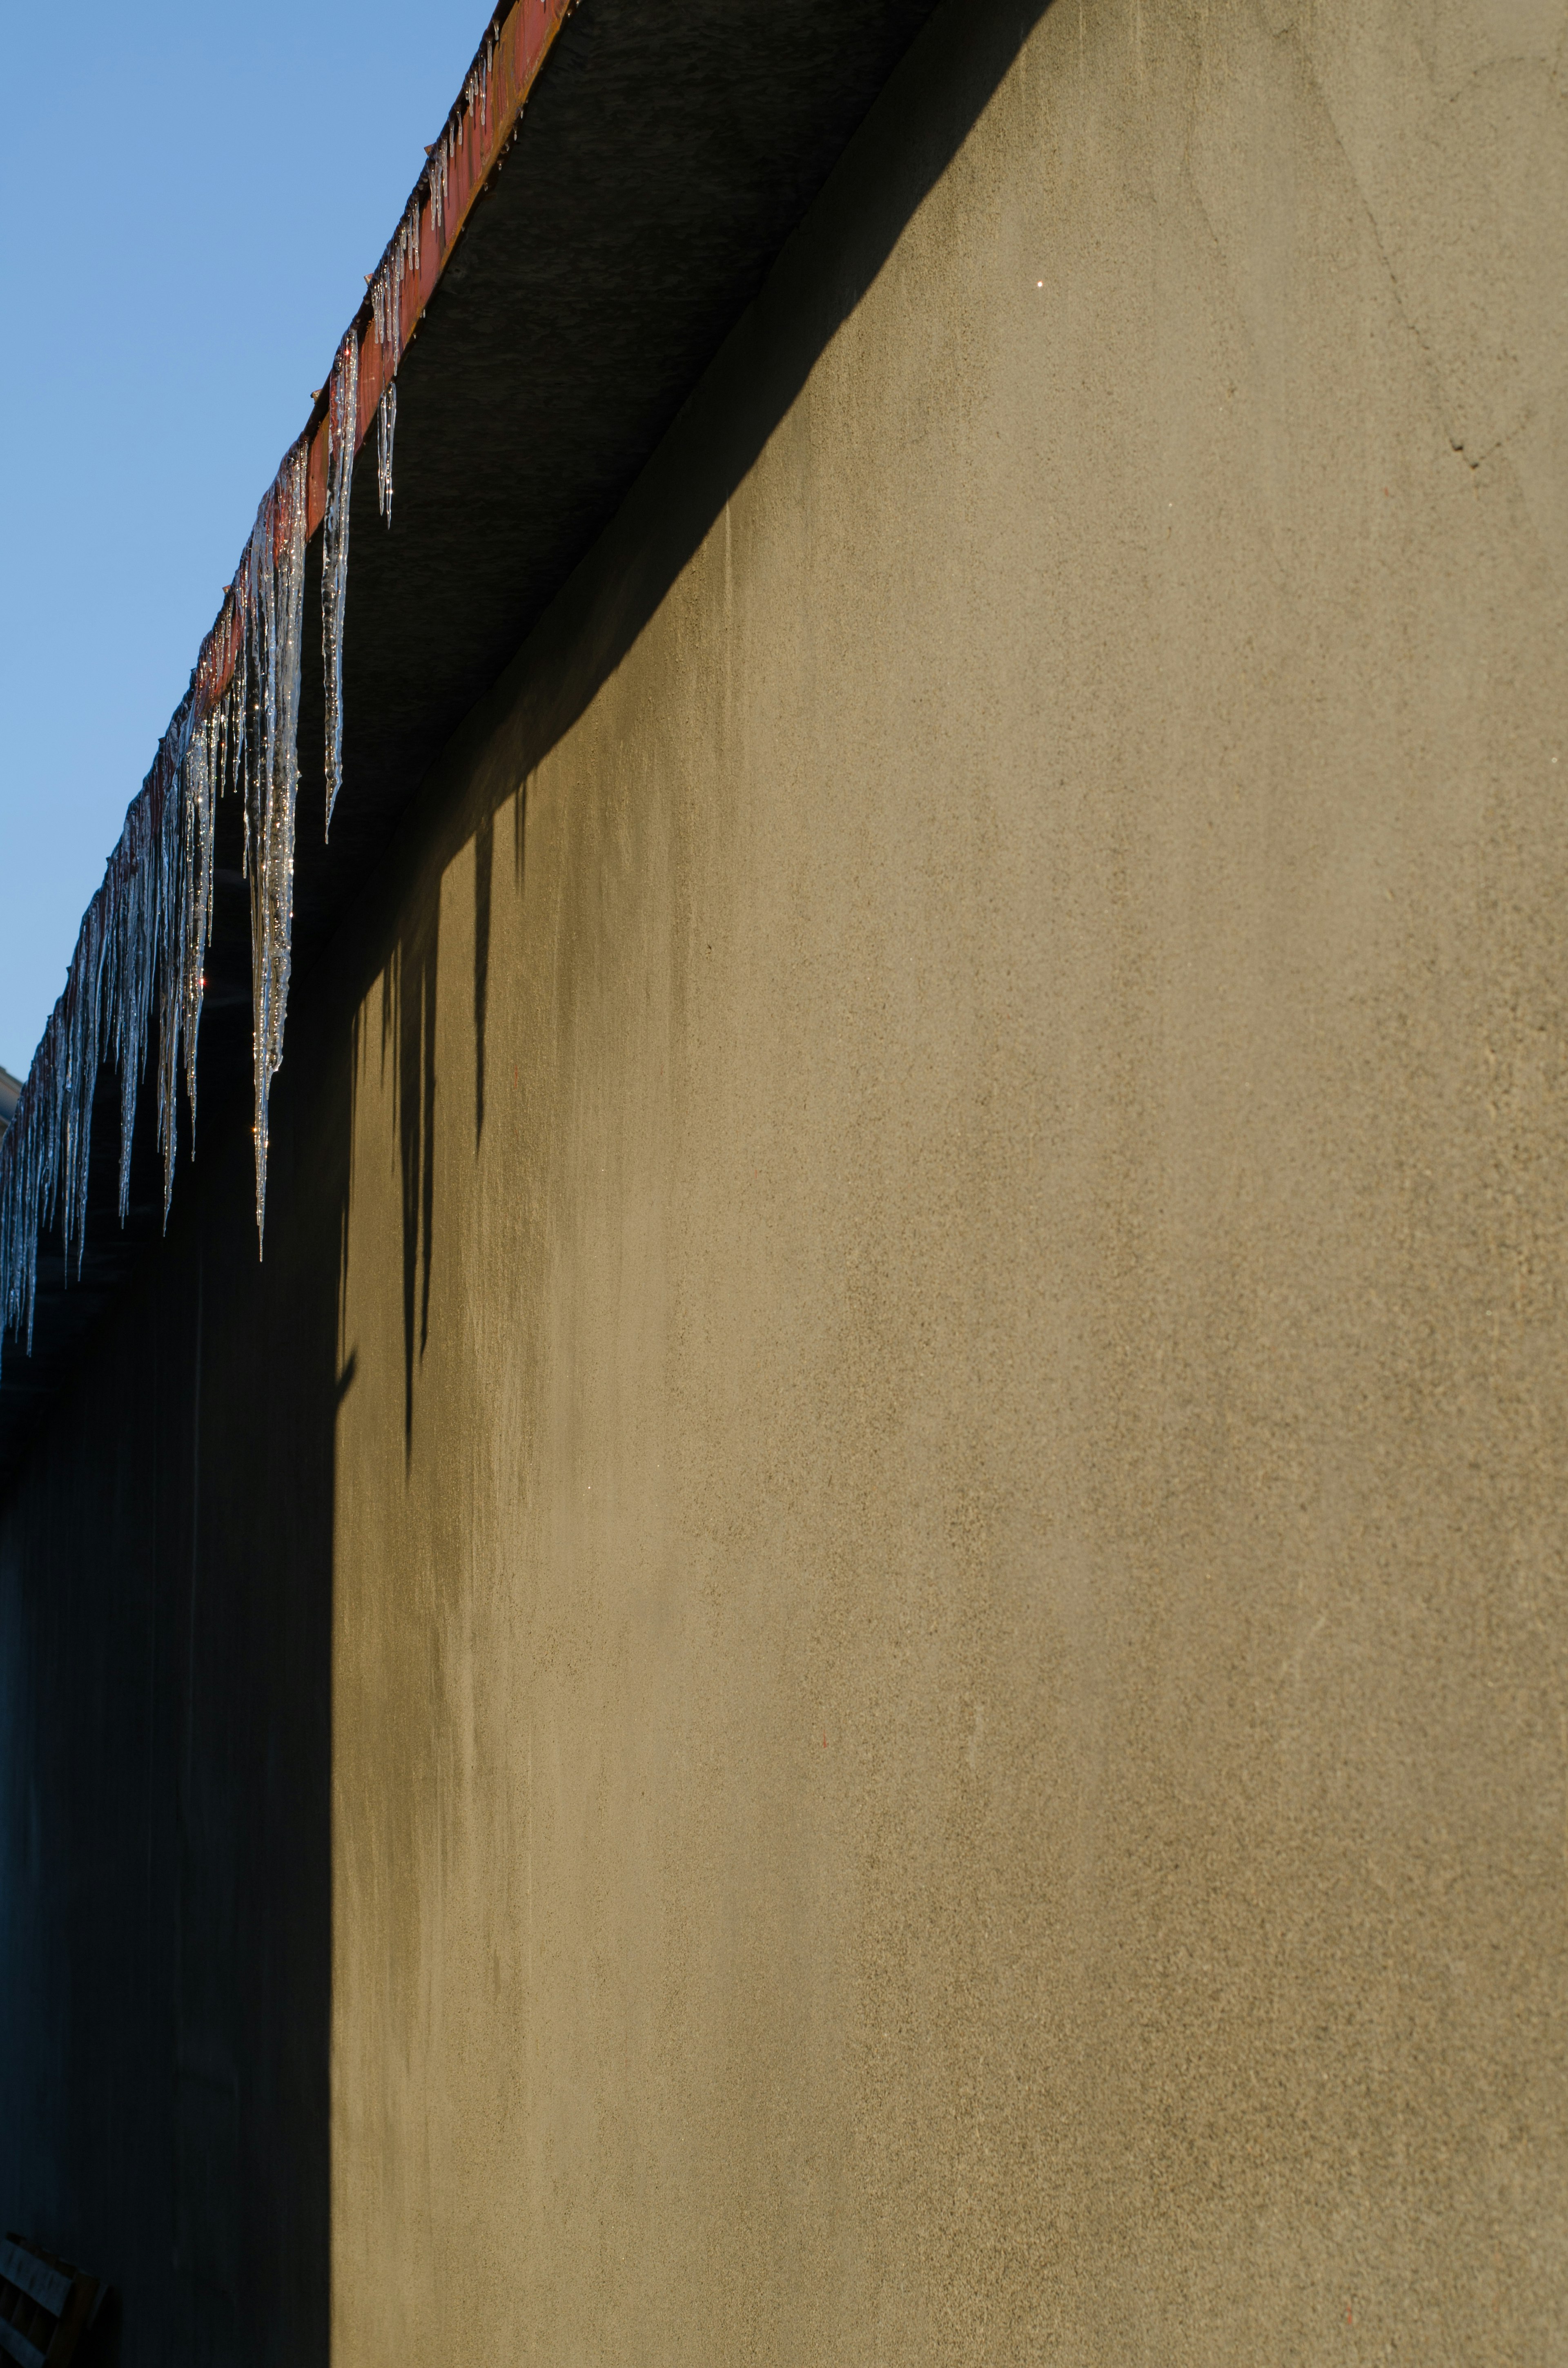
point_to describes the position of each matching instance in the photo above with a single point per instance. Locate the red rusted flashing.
(517, 49)
(521, 48)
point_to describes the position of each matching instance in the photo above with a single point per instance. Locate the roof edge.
(140, 948)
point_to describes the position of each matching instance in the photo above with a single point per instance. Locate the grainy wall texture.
(939, 1167)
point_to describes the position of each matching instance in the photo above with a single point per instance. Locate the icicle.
(386, 308)
(135, 952)
(386, 298)
(386, 427)
(145, 932)
(177, 893)
(132, 931)
(83, 1009)
(275, 595)
(30, 1160)
(343, 420)
(237, 702)
(202, 784)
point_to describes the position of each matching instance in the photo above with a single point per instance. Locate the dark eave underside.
(667, 151)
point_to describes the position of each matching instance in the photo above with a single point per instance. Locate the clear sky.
(192, 195)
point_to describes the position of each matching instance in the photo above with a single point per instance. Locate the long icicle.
(343, 421)
(275, 603)
(142, 945)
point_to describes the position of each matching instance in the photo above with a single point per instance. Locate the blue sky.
(192, 196)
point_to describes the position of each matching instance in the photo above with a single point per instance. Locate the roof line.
(141, 948)
(473, 140)
(480, 126)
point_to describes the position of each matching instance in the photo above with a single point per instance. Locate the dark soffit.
(667, 150)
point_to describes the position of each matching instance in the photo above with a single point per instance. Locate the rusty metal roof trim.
(672, 153)
(474, 139)
(483, 124)
(142, 947)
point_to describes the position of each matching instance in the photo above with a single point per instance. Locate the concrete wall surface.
(925, 1221)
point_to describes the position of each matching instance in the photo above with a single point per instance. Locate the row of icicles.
(235, 734)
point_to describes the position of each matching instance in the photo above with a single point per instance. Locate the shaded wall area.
(165, 1882)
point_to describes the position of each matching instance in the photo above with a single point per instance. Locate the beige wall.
(949, 1733)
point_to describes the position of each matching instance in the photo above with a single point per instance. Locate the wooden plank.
(34, 2277)
(14, 2345)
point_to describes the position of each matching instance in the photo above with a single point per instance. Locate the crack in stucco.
(1296, 28)
(1458, 444)
(1363, 202)
(1498, 443)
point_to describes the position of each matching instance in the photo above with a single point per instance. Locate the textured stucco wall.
(950, 1735)
(909, 1385)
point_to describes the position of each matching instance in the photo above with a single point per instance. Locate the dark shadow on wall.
(166, 1544)
(483, 866)
(908, 141)
(408, 1028)
(165, 1644)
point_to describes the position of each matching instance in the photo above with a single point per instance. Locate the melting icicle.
(146, 927)
(343, 420)
(273, 601)
(386, 310)
(176, 895)
(144, 935)
(143, 947)
(204, 771)
(82, 1018)
(386, 428)
(134, 974)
